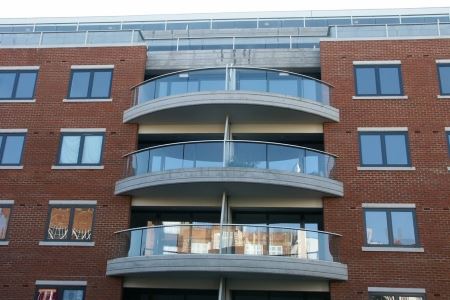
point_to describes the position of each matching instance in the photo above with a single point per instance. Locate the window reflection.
(5, 213)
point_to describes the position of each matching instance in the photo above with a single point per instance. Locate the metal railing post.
(86, 37)
(41, 36)
(439, 27)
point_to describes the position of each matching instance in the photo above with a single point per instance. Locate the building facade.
(296, 155)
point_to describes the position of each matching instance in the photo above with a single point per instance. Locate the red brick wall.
(24, 261)
(428, 186)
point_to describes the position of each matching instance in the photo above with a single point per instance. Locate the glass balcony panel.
(162, 45)
(248, 155)
(14, 39)
(284, 83)
(284, 158)
(203, 155)
(311, 89)
(251, 80)
(225, 24)
(63, 38)
(241, 79)
(243, 154)
(209, 238)
(166, 158)
(114, 37)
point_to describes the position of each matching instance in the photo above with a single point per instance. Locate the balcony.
(247, 168)
(228, 250)
(244, 94)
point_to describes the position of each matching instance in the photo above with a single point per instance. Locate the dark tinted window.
(382, 80)
(17, 85)
(390, 227)
(444, 78)
(86, 84)
(11, 148)
(384, 149)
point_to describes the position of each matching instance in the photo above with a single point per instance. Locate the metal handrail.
(232, 224)
(224, 141)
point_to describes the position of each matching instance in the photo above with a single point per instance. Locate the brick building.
(301, 155)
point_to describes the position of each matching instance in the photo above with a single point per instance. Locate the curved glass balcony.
(233, 79)
(229, 154)
(242, 239)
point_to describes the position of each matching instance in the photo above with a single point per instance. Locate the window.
(5, 213)
(17, 85)
(391, 227)
(90, 84)
(60, 293)
(381, 149)
(11, 148)
(444, 78)
(83, 149)
(70, 223)
(395, 296)
(383, 80)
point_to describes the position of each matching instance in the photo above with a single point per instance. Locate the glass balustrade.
(239, 154)
(234, 79)
(241, 239)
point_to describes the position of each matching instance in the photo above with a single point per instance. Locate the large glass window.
(11, 148)
(17, 85)
(70, 223)
(81, 149)
(444, 78)
(5, 213)
(391, 227)
(60, 293)
(395, 296)
(90, 84)
(384, 149)
(384, 80)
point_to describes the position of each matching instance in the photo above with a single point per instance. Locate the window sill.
(386, 168)
(86, 100)
(11, 167)
(78, 167)
(393, 249)
(380, 97)
(443, 96)
(18, 101)
(75, 244)
(4, 243)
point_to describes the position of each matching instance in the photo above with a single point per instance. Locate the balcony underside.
(227, 265)
(234, 181)
(245, 107)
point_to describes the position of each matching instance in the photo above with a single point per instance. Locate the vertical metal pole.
(387, 30)
(222, 289)
(86, 37)
(178, 43)
(40, 38)
(132, 37)
(439, 27)
(290, 42)
(223, 218)
(234, 42)
(226, 137)
(226, 77)
(335, 31)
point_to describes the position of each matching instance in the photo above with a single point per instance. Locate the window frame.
(82, 136)
(71, 217)
(10, 206)
(16, 83)
(90, 84)
(447, 133)
(383, 135)
(388, 212)
(397, 295)
(3, 143)
(439, 65)
(60, 290)
(377, 68)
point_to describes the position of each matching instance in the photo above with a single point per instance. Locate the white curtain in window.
(92, 150)
(69, 149)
